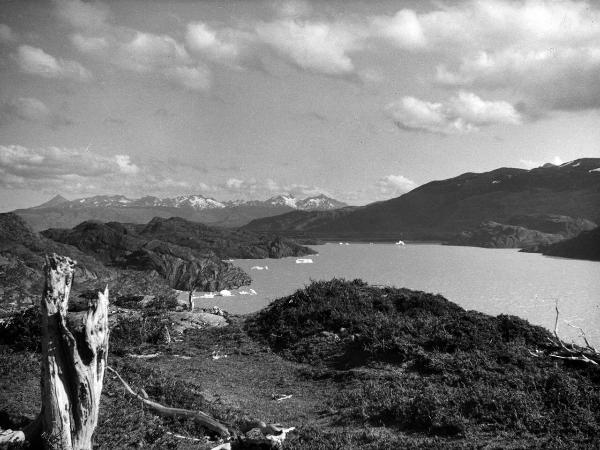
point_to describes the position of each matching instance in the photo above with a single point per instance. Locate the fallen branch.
(587, 354)
(200, 417)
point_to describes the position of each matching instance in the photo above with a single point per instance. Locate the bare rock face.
(186, 320)
(182, 267)
(496, 235)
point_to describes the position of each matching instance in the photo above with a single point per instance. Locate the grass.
(366, 368)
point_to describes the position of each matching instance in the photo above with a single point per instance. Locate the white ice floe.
(594, 170)
(304, 261)
(249, 292)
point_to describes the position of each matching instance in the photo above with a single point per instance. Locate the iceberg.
(400, 243)
(304, 261)
(225, 293)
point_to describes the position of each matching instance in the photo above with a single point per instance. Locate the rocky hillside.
(22, 257)
(225, 243)
(62, 213)
(441, 209)
(184, 253)
(584, 246)
(523, 231)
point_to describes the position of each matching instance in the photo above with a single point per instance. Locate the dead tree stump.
(74, 352)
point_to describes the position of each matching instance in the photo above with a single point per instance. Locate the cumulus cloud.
(221, 45)
(529, 164)
(83, 15)
(546, 53)
(395, 185)
(194, 78)
(7, 34)
(322, 47)
(31, 110)
(571, 73)
(35, 61)
(463, 113)
(83, 172)
(492, 24)
(251, 188)
(89, 44)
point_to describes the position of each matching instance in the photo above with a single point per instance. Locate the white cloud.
(27, 108)
(7, 34)
(31, 110)
(193, 78)
(479, 24)
(89, 44)
(83, 15)
(529, 164)
(404, 29)
(36, 61)
(315, 46)
(221, 45)
(462, 113)
(234, 183)
(395, 185)
(54, 163)
(555, 78)
(545, 53)
(147, 51)
(83, 172)
(125, 164)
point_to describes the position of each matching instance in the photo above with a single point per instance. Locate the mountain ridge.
(441, 209)
(62, 213)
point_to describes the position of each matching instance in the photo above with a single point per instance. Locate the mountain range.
(62, 213)
(545, 198)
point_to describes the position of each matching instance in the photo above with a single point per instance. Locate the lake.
(493, 281)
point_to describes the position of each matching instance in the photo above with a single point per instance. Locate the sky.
(362, 101)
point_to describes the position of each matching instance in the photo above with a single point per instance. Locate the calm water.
(492, 281)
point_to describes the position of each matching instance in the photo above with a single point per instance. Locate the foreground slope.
(441, 209)
(351, 366)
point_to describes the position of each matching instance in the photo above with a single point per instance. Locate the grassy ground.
(366, 368)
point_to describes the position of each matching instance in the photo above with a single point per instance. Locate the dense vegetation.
(428, 366)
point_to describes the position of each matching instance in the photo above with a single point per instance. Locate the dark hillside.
(440, 209)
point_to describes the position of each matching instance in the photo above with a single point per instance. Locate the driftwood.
(74, 352)
(587, 354)
(200, 417)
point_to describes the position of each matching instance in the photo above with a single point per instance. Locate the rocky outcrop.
(496, 235)
(225, 243)
(183, 270)
(121, 246)
(584, 246)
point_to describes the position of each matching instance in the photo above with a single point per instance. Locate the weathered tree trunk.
(73, 360)
(191, 300)
(74, 352)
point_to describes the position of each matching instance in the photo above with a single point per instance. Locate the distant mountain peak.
(54, 201)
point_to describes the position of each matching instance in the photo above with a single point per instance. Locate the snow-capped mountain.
(196, 202)
(199, 202)
(319, 203)
(61, 213)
